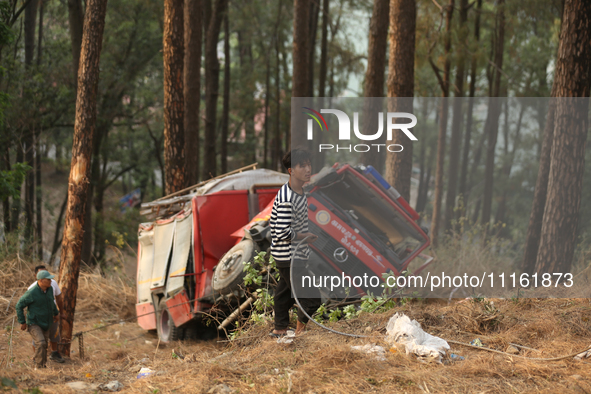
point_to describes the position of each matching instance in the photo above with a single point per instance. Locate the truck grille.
(353, 266)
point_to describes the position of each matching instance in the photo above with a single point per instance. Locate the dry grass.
(318, 361)
(97, 295)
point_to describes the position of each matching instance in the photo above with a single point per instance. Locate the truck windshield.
(377, 217)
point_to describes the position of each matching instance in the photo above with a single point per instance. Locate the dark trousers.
(284, 301)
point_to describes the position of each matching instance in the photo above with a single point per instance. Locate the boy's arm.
(282, 225)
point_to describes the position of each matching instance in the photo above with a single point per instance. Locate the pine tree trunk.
(174, 118)
(88, 77)
(534, 227)
(422, 158)
(323, 49)
(464, 185)
(374, 76)
(403, 17)
(17, 202)
(38, 201)
(58, 228)
(508, 163)
(457, 122)
(5, 165)
(276, 153)
(30, 24)
(492, 121)
(442, 129)
(38, 195)
(571, 124)
(76, 23)
(192, 87)
(300, 56)
(212, 76)
(313, 30)
(226, 102)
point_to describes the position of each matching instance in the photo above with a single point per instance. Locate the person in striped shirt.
(289, 225)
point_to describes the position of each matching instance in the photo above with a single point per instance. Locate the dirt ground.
(321, 362)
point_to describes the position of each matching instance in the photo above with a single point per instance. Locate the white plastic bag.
(404, 332)
(379, 351)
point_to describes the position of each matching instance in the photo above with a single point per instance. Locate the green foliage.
(6, 33)
(319, 315)
(350, 312)
(377, 304)
(10, 180)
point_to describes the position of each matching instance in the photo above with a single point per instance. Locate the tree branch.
(437, 73)
(123, 171)
(19, 12)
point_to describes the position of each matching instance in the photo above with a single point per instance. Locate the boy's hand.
(24, 326)
(311, 237)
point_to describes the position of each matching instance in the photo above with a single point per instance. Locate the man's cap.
(44, 275)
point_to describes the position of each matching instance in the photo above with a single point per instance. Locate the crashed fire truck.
(190, 257)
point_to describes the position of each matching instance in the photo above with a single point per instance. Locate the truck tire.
(229, 272)
(167, 331)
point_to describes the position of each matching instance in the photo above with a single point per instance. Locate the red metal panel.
(266, 196)
(220, 214)
(264, 214)
(216, 216)
(147, 322)
(179, 308)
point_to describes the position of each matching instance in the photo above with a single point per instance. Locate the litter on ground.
(379, 351)
(408, 333)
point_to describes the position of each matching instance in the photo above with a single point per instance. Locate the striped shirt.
(289, 217)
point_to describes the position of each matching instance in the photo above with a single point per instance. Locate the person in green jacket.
(41, 312)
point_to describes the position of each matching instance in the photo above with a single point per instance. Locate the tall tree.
(16, 202)
(276, 152)
(457, 122)
(534, 227)
(403, 19)
(571, 124)
(38, 182)
(192, 87)
(374, 74)
(464, 186)
(226, 98)
(174, 135)
(300, 55)
(312, 30)
(76, 22)
(442, 127)
(492, 120)
(212, 81)
(76, 25)
(323, 49)
(29, 136)
(92, 38)
(508, 160)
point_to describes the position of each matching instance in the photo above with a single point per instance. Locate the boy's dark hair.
(296, 156)
(40, 268)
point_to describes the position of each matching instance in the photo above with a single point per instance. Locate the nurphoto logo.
(345, 129)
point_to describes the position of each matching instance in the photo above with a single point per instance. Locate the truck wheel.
(229, 272)
(167, 331)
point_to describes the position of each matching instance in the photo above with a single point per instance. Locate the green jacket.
(41, 308)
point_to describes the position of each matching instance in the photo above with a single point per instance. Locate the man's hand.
(24, 326)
